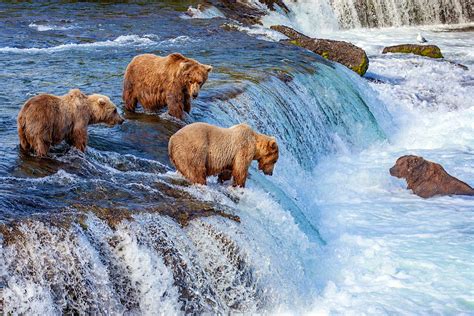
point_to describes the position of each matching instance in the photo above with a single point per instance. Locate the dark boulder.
(345, 53)
(431, 51)
(246, 13)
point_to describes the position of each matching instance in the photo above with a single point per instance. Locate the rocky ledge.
(245, 12)
(345, 53)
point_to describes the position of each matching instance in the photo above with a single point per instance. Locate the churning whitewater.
(116, 230)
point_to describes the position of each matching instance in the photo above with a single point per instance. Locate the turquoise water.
(330, 233)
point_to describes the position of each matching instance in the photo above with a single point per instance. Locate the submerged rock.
(345, 53)
(431, 51)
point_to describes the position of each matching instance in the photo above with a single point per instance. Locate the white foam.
(210, 12)
(260, 32)
(50, 27)
(148, 274)
(388, 250)
(309, 17)
(123, 40)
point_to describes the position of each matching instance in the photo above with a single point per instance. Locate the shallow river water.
(329, 233)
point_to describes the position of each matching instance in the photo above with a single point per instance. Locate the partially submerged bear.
(46, 119)
(200, 150)
(427, 178)
(156, 82)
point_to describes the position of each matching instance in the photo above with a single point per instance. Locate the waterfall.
(314, 17)
(382, 13)
(83, 261)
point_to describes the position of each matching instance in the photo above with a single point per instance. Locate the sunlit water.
(330, 232)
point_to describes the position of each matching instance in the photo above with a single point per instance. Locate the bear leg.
(187, 103)
(175, 105)
(41, 148)
(128, 96)
(200, 178)
(195, 173)
(24, 144)
(241, 167)
(131, 104)
(79, 138)
(240, 177)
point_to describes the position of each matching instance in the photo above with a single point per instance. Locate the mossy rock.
(431, 51)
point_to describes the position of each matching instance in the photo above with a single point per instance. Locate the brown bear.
(46, 120)
(200, 150)
(157, 82)
(427, 178)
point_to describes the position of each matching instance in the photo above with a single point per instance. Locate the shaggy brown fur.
(157, 82)
(200, 150)
(427, 178)
(46, 119)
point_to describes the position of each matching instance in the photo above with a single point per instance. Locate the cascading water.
(319, 16)
(117, 231)
(91, 234)
(153, 264)
(382, 13)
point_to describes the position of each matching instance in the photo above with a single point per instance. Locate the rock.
(239, 11)
(431, 51)
(345, 53)
(271, 4)
(427, 178)
(244, 11)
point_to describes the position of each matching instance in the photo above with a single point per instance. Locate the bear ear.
(208, 68)
(272, 144)
(102, 101)
(186, 65)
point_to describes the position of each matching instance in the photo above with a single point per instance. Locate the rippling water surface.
(117, 230)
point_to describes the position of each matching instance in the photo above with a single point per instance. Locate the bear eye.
(115, 111)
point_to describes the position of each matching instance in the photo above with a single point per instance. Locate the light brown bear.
(200, 150)
(46, 119)
(157, 82)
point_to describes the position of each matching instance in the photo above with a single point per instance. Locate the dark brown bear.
(427, 179)
(46, 119)
(157, 82)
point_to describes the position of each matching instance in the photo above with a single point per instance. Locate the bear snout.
(121, 120)
(394, 172)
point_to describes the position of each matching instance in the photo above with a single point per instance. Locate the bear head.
(103, 110)
(407, 166)
(194, 75)
(267, 153)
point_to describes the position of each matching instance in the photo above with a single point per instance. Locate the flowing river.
(331, 232)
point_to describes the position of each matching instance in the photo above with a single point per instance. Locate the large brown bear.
(427, 178)
(200, 150)
(157, 82)
(46, 119)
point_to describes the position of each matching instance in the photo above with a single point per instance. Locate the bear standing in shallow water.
(200, 150)
(157, 82)
(46, 119)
